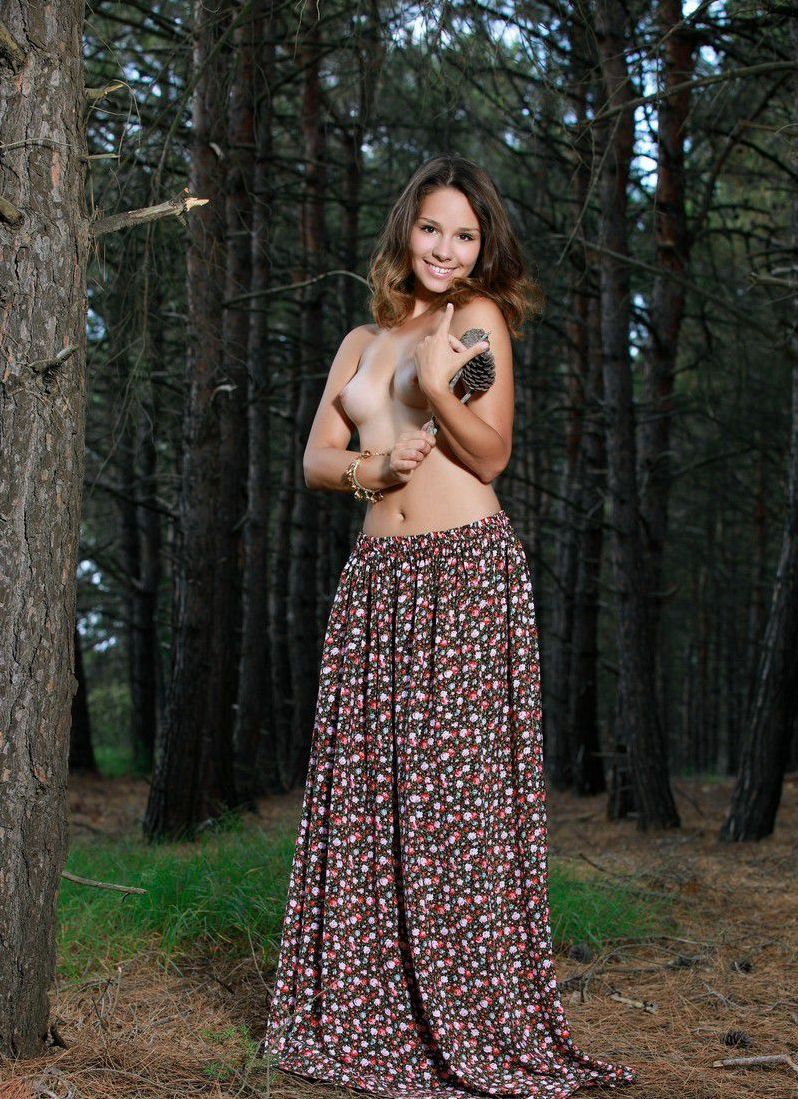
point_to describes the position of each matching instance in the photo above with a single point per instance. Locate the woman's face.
(444, 241)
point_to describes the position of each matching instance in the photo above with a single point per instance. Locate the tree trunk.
(582, 718)
(667, 301)
(564, 738)
(140, 548)
(255, 728)
(233, 456)
(303, 635)
(150, 664)
(193, 777)
(771, 720)
(43, 254)
(641, 728)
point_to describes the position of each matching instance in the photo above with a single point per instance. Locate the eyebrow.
(462, 229)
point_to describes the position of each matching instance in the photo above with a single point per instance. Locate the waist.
(441, 494)
(495, 527)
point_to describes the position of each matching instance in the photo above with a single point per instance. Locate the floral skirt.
(415, 957)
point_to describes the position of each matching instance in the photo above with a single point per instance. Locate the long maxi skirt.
(415, 957)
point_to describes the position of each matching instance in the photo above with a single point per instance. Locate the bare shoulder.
(358, 338)
(480, 312)
(349, 353)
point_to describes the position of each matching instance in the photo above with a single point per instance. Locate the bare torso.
(383, 399)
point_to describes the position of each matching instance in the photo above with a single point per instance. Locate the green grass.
(593, 910)
(228, 890)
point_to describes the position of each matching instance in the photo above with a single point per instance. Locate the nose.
(440, 252)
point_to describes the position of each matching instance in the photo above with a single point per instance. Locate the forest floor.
(724, 985)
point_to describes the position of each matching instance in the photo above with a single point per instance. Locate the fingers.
(412, 448)
(455, 343)
(445, 321)
(471, 352)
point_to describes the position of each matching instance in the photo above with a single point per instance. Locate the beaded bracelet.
(350, 474)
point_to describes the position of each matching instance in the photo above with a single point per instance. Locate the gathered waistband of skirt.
(489, 528)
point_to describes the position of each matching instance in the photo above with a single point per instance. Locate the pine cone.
(479, 373)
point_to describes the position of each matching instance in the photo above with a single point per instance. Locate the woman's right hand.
(409, 450)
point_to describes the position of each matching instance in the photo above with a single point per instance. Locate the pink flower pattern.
(415, 959)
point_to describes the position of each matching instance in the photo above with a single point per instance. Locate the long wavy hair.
(499, 272)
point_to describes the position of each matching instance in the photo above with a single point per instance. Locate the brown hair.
(499, 272)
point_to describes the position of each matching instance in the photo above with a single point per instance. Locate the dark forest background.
(207, 567)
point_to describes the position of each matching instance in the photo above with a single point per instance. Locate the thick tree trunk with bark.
(193, 777)
(637, 696)
(43, 255)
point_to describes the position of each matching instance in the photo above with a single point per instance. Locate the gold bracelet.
(361, 492)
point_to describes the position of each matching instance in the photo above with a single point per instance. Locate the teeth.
(439, 270)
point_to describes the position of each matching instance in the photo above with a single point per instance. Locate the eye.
(423, 227)
(466, 236)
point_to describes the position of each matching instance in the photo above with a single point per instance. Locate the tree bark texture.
(43, 256)
(193, 778)
(636, 683)
(255, 728)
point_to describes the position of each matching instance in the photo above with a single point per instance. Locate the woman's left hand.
(438, 357)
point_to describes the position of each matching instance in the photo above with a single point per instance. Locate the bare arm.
(480, 432)
(326, 455)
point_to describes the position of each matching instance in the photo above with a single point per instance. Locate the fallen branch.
(744, 1062)
(101, 884)
(175, 207)
(643, 1005)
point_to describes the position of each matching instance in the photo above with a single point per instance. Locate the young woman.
(415, 957)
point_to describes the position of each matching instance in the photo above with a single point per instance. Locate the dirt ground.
(725, 986)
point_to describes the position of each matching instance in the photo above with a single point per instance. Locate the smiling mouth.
(441, 272)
